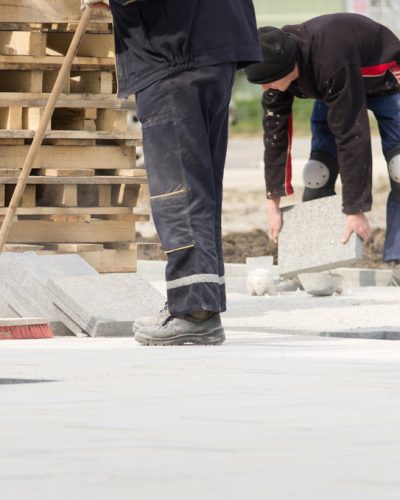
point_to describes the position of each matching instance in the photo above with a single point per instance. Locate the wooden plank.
(74, 247)
(112, 261)
(25, 99)
(22, 43)
(76, 232)
(49, 80)
(92, 82)
(20, 81)
(121, 245)
(93, 28)
(77, 100)
(71, 119)
(72, 134)
(71, 158)
(70, 142)
(104, 196)
(11, 142)
(22, 248)
(55, 172)
(131, 172)
(9, 172)
(28, 199)
(46, 11)
(125, 195)
(54, 63)
(59, 195)
(31, 118)
(11, 118)
(44, 211)
(92, 45)
(100, 179)
(112, 120)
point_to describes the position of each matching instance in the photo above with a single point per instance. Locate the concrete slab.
(107, 304)
(6, 311)
(27, 278)
(154, 271)
(361, 309)
(356, 277)
(310, 238)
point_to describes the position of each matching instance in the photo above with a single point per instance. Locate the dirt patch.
(239, 245)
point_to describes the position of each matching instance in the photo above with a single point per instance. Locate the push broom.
(27, 328)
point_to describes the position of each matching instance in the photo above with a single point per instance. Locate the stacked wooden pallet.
(84, 188)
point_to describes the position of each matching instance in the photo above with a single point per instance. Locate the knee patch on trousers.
(315, 174)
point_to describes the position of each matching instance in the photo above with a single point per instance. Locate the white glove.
(88, 3)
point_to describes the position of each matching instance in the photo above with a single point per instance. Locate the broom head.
(24, 328)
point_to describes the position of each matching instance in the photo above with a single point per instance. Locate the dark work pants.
(185, 132)
(386, 109)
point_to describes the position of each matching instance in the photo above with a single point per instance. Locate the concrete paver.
(266, 415)
(310, 239)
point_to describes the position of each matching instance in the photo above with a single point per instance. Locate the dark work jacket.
(342, 59)
(156, 38)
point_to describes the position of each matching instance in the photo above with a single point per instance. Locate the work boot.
(186, 330)
(156, 320)
(396, 275)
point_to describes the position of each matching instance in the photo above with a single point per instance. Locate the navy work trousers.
(185, 133)
(386, 109)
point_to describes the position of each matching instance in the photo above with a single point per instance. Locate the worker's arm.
(277, 123)
(348, 121)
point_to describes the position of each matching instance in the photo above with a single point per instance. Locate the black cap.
(279, 54)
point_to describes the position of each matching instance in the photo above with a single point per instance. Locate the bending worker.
(179, 58)
(349, 63)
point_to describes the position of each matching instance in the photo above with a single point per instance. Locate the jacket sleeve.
(277, 124)
(348, 121)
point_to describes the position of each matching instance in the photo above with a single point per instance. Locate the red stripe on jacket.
(288, 166)
(378, 70)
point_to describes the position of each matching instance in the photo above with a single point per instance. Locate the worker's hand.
(274, 219)
(357, 223)
(104, 4)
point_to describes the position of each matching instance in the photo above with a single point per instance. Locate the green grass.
(249, 115)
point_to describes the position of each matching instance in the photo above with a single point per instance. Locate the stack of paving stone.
(84, 191)
(72, 296)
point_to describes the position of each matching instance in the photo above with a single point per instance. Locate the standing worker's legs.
(185, 137)
(321, 171)
(387, 112)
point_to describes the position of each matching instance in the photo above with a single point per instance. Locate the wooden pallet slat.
(12, 62)
(65, 181)
(39, 100)
(84, 187)
(99, 157)
(46, 11)
(97, 231)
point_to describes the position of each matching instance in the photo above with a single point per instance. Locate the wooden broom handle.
(43, 124)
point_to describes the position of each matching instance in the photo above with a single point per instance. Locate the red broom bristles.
(25, 332)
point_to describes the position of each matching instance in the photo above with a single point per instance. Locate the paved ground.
(266, 415)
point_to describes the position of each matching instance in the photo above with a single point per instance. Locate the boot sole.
(214, 337)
